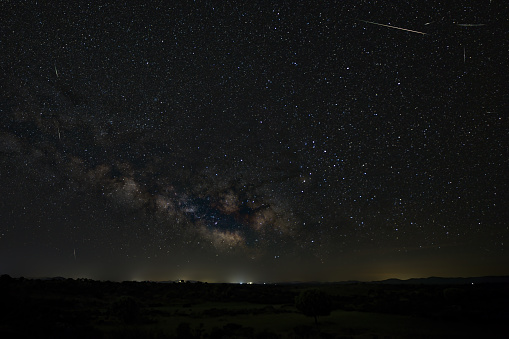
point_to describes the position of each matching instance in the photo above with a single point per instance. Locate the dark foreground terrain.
(82, 308)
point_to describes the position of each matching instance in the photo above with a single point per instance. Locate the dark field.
(67, 308)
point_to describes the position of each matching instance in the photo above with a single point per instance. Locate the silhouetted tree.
(313, 303)
(184, 331)
(127, 309)
(5, 278)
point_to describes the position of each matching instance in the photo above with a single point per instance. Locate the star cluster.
(279, 142)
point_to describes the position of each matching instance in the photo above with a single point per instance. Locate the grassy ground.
(284, 320)
(86, 309)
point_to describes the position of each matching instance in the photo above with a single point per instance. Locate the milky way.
(269, 142)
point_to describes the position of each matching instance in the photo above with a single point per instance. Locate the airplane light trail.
(403, 29)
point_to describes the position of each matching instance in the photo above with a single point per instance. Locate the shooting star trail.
(389, 26)
(74, 254)
(471, 25)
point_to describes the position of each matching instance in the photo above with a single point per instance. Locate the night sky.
(239, 141)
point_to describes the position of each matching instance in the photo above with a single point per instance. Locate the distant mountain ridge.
(392, 281)
(415, 281)
(446, 281)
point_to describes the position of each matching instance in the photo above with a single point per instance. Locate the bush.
(127, 310)
(313, 303)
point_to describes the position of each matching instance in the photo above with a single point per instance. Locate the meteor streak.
(403, 29)
(471, 25)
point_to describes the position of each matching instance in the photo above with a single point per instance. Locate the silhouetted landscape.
(415, 308)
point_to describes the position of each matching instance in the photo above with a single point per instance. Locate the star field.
(285, 141)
